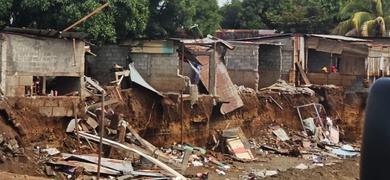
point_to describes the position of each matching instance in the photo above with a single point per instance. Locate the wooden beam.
(86, 17)
(97, 105)
(303, 74)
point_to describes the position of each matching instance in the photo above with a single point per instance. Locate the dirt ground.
(158, 120)
(347, 169)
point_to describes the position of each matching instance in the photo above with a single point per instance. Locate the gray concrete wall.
(270, 65)
(99, 66)
(242, 64)
(159, 70)
(287, 45)
(26, 56)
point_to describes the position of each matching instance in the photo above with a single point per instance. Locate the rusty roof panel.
(226, 91)
(337, 37)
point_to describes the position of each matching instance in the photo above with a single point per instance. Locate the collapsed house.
(168, 66)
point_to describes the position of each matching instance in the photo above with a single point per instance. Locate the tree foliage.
(303, 16)
(121, 18)
(364, 18)
(170, 17)
(5, 6)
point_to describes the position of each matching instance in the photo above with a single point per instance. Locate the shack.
(303, 58)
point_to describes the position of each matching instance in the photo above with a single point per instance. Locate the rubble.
(282, 87)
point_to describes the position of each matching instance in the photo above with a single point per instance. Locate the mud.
(159, 120)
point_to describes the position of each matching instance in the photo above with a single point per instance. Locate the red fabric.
(333, 69)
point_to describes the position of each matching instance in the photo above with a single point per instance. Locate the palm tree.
(366, 19)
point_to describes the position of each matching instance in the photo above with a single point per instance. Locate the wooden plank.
(303, 74)
(187, 154)
(97, 105)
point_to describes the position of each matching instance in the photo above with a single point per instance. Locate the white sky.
(222, 2)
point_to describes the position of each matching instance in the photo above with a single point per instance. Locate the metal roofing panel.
(209, 40)
(47, 32)
(337, 37)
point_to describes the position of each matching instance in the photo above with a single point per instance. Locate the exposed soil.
(158, 120)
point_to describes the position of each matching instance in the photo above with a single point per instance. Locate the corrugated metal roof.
(47, 33)
(337, 37)
(209, 40)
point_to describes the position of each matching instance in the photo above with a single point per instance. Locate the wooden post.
(74, 52)
(86, 17)
(212, 73)
(181, 95)
(44, 84)
(75, 111)
(101, 136)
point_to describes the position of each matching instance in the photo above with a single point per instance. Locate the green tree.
(303, 16)
(122, 18)
(366, 18)
(207, 17)
(5, 6)
(168, 18)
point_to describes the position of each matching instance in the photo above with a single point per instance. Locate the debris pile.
(244, 90)
(284, 88)
(9, 147)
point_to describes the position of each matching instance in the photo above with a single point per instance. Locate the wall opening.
(64, 86)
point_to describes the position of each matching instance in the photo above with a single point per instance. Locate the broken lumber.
(133, 149)
(97, 105)
(303, 74)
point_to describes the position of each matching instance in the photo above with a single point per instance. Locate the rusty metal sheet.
(340, 38)
(87, 167)
(115, 164)
(226, 91)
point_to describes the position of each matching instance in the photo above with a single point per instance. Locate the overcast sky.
(222, 2)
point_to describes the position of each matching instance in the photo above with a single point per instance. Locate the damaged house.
(40, 64)
(300, 59)
(164, 66)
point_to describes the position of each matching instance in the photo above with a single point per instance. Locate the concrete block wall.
(317, 60)
(107, 55)
(159, 70)
(26, 56)
(48, 106)
(287, 45)
(242, 64)
(43, 56)
(269, 65)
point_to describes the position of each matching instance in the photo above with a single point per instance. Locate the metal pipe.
(181, 94)
(101, 137)
(86, 17)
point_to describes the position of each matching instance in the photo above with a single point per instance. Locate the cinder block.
(25, 80)
(61, 112)
(12, 81)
